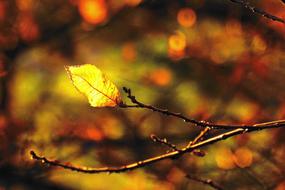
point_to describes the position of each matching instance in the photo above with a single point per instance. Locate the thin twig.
(152, 160)
(163, 141)
(198, 152)
(138, 104)
(201, 135)
(208, 182)
(259, 11)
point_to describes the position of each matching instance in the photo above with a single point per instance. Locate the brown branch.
(259, 11)
(238, 129)
(152, 160)
(205, 124)
(198, 152)
(163, 141)
(208, 182)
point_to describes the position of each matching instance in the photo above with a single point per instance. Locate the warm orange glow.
(243, 157)
(281, 186)
(132, 3)
(224, 158)
(186, 17)
(176, 55)
(177, 42)
(161, 77)
(176, 45)
(3, 122)
(93, 11)
(93, 134)
(28, 29)
(233, 28)
(24, 5)
(175, 175)
(258, 44)
(2, 10)
(129, 52)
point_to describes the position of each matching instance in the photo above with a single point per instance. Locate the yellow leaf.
(94, 84)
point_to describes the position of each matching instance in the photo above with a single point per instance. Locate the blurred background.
(212, 60)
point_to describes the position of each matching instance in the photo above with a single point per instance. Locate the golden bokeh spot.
(177, 42)
(161, 76)
(129, 52)
(243, 157)
(93, 11)
(186, 17)
(224, 158)
(176, 45)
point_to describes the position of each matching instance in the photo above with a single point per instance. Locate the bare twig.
(205, 124)
(201, 135)
(198, 152)
(259, 11)
(163, 141)
(208, 182)
(142, 163)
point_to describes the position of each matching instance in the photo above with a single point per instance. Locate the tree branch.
(208, 182)
(204, 124)
(258, 11)
(163, 141)
(152, 160)
(198, 152)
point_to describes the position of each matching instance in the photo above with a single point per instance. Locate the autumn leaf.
(94, 84)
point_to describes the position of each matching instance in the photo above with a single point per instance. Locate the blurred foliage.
(212, 60)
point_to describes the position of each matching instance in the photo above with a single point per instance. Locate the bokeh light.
(176, 45)
(3, 7)
(93, 11)
(28, 29)
(224, 158)
(160, 76)
(186, 17)
(243, 157)
(129, 52)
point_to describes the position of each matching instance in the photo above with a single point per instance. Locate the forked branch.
(193, 146)
(142, 163)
